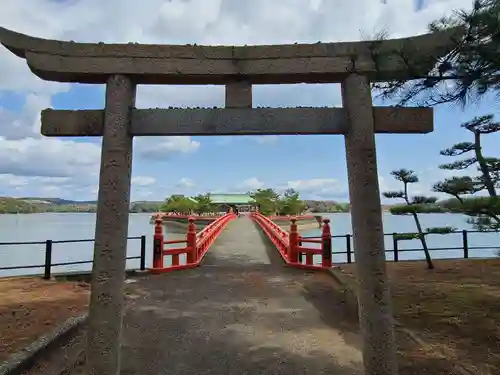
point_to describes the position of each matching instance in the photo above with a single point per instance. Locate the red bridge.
(289, 243)
(253, 298)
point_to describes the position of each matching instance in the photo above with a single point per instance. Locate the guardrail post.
(348, 248)
(326, 244)
(395, 246)
(293, 239)
(465, 244)
(192, 254)
(143, 253)
(48, 259)
(158, 244)
(300, 255)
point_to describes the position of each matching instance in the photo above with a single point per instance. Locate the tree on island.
(203, 204)
(179, 204)
(271, 203)
(484, 212)
(200, 204)
(290, 203)
(413, 206)
(267, 200)
(470, 70)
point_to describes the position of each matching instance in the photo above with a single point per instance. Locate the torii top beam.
(63, 61)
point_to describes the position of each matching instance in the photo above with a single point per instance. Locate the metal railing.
(47, 265)
(396, 250)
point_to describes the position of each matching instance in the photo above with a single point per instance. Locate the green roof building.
(238, 202)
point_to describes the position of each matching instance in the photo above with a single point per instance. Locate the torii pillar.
(374, 300)
(110, 249)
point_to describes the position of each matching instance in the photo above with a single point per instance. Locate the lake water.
(76, 226)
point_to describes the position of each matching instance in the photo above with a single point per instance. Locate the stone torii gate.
(123, 66)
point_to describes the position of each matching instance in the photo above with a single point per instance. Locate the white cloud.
(161, 147)
(25, 155)
(321, 187)
(185, 183)
(49, 157)
(143, 181)
(27, 122)
(251, 184)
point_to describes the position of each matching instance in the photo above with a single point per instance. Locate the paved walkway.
(241, 312)
(241, 244)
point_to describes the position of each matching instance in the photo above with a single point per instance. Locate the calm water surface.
(73, 226)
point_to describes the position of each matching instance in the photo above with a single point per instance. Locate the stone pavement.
(241, 312)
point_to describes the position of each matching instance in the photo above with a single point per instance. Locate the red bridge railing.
(290, 243)
(196, 244)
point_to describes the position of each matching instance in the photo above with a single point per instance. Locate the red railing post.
(326, 244)
(293, 239)
(158, 244)
(192, 254)
(299, 242)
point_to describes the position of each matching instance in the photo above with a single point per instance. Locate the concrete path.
(241, 312)
(241, 244)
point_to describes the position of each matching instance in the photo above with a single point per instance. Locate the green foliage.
(200, 204)
(179, 204)
(32, 205)
(290, 203)
(406, 177)
(271, 203)
(470, 70)
(203, 204)
(12, 206)
(138, 207)
(440, 230)
(326, 206)
(416, 236)
(268, 200)
(406, 236)
(456, 186)
(404, 209)
(483, 212)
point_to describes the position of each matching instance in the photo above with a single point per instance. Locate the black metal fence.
(396, 250)
(47, 266)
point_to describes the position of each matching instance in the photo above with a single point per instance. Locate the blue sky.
(314, 165)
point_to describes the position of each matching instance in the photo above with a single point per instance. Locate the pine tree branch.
(459, 165)
(458, 149)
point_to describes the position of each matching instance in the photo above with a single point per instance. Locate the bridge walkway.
(242, 244)
(241, 312)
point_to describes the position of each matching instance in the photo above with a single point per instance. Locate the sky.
(33, 165)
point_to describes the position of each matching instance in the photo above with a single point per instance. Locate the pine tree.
(290, 203)
(470, 70)
(412, 206)
(484, 212)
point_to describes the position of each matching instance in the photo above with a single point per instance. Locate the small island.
(207, 207)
